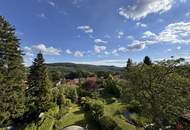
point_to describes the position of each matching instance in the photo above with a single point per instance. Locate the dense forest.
(150, 95)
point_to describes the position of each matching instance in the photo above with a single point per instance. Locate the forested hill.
(68, 67)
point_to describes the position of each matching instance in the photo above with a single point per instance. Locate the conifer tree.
(39, 91)
(129, 63)
(12, 75)
(147, 60)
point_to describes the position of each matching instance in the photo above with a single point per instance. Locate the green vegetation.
(12, 76)
(74, 116)
(103, 98)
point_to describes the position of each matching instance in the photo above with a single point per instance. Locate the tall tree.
(129, 63)
(39, 91)
(12, 75)
(147, 60)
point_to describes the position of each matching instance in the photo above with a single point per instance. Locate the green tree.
(12, 75)
(159, 91)
(40, 87)
(147, 60)
(112, 87)
(129, 63)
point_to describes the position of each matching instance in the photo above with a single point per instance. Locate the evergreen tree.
(129, 63)
(39, 91)
(12, 75)
(147, 60)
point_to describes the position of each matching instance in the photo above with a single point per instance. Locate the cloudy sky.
(101, 32)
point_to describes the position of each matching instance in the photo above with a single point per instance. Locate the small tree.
(147, 60)
(40, 87)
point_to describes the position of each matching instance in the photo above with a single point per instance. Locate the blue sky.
(101, 32)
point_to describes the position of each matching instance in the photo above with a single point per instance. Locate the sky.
(100, 32)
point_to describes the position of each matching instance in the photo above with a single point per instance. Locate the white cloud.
(78, 54)
(178, 48)
(136, 46)
(106, 53)
(115, 52)
(99, 49)
(120, 34)
(100, 41)
(187, 14)
(122, 49)
(68, 51)
(130, 37)
(51, 3)
(42, 15)
(176, 33)
(169, 49)
(47, 50)
(30, 52)
(86, 29)
(142, 8)
(183, 1)
(139, 24)
(107, 36)
(148, 34)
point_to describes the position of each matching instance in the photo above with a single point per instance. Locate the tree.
(112, 87)
(147, 60)
(159, 91)
(129, 63)
(12, 75)
(39, 85)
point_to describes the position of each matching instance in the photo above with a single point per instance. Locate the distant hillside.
(71, 67)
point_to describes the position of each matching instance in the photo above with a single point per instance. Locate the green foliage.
(55, 76)
(71, 116)
(95, 108)
(129, 63)
(147, 60)
(40, 88)
(112, 87)
(47, 124)
(139, 120)
(31, 126)
(159, 91)
(108, 123)
(12, 75)
(71, 93)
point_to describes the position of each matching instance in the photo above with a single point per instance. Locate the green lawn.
(115, 111)
(74, 116)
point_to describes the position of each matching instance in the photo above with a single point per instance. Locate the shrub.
(71, 93)
(95, 108)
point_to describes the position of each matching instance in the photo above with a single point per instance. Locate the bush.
(71, 93)
(112, 87)
(95, 108)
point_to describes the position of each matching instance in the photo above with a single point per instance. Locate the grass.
(115, 110)
(74, 116)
